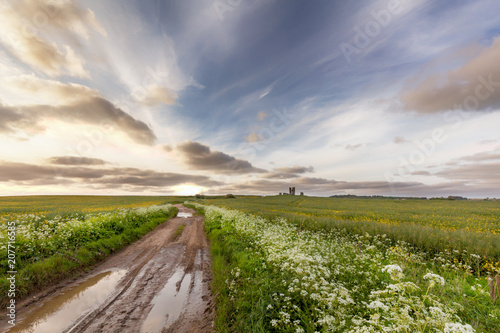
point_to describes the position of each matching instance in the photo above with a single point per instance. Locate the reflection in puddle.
(184, 214)
(168, 304)
(60, 312)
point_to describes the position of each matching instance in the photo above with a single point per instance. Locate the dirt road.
(158, 284)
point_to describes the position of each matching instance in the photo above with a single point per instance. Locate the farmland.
(57, 237)
(289, 263)
(299, 264)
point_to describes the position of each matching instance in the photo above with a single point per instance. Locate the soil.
(158, 284)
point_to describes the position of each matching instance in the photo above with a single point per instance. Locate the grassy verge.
(237, 266)
(275, 276)
(33, 274)
(178, 232)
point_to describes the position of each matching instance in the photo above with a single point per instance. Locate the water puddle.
(63, 310)
(184, 214)
(168, 304)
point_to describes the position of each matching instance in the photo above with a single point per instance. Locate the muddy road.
(158, 284)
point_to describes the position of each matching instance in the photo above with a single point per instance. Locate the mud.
(154, 285)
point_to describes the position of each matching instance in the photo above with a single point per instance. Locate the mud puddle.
(168, 304)
(184, 214)
(157, 284)
(60, 312)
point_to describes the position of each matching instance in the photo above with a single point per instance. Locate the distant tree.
(230, 196)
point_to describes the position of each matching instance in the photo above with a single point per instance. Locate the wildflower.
(395, 271)
(458, 328)
(378, 305)
(434, 278)
(392, 268)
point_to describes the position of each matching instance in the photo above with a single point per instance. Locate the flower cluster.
(333, 281)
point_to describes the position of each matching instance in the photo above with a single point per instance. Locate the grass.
(62, 205)
(178, 232)
(434, 226)
(247, 278)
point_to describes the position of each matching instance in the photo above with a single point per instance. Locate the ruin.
(291, 190)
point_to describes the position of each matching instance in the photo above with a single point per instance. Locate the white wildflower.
(434, 278)
(458, 328)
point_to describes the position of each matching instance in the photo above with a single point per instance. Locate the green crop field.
(431, 225)
(54, 237)
(289, 263)
(305, 264)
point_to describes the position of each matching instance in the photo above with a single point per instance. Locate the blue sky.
(250, 97)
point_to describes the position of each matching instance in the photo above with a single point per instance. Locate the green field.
(59, 236)
(305, 264)
(288, 263)
(430, 225)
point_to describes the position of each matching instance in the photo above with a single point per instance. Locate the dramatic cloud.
(75, 160)
(287, 172)
(31, 174)
(47, 91)
(488, 173)
(69, 102)
(474, 86)
(23, 26)
(157, 95)
(201, 157)
(295, 169)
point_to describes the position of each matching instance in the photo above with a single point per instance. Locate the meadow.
(57, 237)
(433, 226)
(304, 264)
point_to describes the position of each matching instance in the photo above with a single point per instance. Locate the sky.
(394, 98)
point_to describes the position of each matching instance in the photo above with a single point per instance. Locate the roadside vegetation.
(287, 266)
(455, 229)
(60, 243)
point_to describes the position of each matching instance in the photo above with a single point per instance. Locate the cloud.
(75, 160)
(156, 95)
(475, 86)
(25, 25)
(201, 157)
(33, 175)
(47, 91)
(399, 139)
(287, 172)
(253, 137)
(70, 102)
(353, 147)
(482, 156)
(93, 110)
(480, 168)
(421, 173)
(487, 173)
(324, 186)
(168, 148)
(295, 169)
